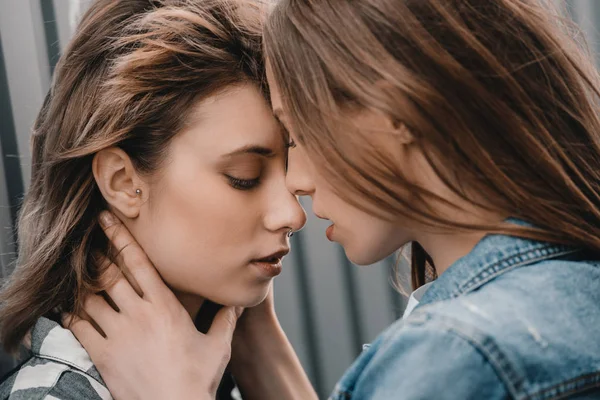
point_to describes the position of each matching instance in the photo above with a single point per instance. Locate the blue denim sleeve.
(428, 362)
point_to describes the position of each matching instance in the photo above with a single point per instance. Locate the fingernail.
(106, 218)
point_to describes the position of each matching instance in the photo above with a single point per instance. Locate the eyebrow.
(252, 149)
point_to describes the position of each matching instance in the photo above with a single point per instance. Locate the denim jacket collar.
(491, 257)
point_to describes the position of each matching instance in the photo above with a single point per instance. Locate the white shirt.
(413, 301)
(415, 298)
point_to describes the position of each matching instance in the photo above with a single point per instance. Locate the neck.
(448, 246)
(446, 249)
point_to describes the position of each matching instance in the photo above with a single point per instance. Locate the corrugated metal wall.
(328, 307)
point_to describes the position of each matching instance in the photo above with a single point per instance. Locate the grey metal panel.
(50, 33)
(589, 14)
(289, 310)
(330, 307)
(13, 181)
(62, 13)
(68, 13)
(374, 295)
(27, 67)
(7, 247)
(10, 185)
(583, 12)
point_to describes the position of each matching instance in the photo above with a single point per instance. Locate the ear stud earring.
(138, 192)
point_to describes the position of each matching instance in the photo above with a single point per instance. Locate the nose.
(284, 212)
(299, 179)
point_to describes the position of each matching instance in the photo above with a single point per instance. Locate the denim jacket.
(513, 319)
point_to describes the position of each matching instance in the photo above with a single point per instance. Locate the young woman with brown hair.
(157, 111)
(470, 128)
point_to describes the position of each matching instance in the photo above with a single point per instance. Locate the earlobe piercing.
(138, 192)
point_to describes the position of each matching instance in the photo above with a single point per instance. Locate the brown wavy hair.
(128, 78)
(501, 96)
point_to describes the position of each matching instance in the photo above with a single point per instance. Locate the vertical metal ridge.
(10, 150)
(593, 34)
(11, 179)
(357, 329)
(50, 33)
(307, 308)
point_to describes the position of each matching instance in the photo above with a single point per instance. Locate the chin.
(361, 259)
(359, 256)
(365, 255)
(247, 299)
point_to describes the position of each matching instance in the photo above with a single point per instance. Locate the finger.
(119, 290)
(101, 312)
(224, 323)
(85, 333)
(131, 258)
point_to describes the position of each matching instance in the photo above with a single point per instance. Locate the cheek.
(366, 244)
(385, 238)
(367, 239)
(193, 219)
(196, 234)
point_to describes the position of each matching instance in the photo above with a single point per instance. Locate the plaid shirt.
(58, 369)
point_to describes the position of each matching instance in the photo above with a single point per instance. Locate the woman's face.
(218, 213)
(366, 239)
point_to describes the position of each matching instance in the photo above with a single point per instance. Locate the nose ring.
(290, 233)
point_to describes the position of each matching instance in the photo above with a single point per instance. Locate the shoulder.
(40, 378)
(526, 333)
(544, 314)
(418, 357)
(59, 368)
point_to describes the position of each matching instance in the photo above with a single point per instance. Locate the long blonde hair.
(500, 96)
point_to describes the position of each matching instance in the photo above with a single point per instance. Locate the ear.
(118, 181)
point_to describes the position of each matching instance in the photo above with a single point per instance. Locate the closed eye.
(243, 184)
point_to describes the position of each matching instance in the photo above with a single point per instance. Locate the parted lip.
(274, 257)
